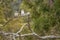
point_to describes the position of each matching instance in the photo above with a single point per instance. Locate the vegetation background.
(45, 17)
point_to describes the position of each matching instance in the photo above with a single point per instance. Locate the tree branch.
(21, 29)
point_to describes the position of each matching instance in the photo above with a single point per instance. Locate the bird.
(28, 13)
(16, 14)
(22, 13)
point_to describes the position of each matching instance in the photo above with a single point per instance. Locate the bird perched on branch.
(16, 14)
(24, 14)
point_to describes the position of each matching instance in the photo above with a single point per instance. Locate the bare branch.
(4, 33)
(51, 36)
(30, 34)
(14, 38)
(7, 22)
(40, 37)
(21, 28)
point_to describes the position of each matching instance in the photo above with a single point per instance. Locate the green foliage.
(44, 17)
(6, 13)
